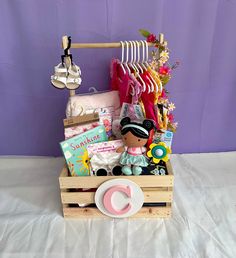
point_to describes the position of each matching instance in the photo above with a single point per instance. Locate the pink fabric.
(128, 87)
(136, 150)
(137, 89)
(121, 82)
(97, 102)
(79, 129)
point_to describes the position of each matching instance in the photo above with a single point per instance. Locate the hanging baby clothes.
(133, 109)
(129, 89)
(148, 100)
(120, 81)
(157, 79)
(161, 110)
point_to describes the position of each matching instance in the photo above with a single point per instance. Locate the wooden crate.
(156, 189)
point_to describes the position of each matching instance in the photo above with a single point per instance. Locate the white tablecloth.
(203, 223)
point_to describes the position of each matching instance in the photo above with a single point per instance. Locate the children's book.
(75, 150)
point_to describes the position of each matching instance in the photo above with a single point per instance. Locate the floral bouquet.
(160, 63)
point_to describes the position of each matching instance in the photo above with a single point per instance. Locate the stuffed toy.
(135, 136)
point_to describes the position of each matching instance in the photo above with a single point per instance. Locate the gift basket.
(117, 143)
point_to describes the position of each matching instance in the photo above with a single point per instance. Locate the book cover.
(75, 150)
(104, 147)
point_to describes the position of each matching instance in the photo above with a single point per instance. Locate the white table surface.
(203, 222)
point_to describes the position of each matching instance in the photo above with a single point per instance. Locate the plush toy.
(159, 152)
(135, 137)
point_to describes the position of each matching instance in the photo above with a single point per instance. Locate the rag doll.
(135, 136)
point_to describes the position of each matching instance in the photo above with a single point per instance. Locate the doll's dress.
(134, 156)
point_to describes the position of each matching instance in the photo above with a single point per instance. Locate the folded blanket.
(96, 102)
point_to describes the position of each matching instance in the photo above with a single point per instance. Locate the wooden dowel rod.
(101, 45)
(161, 38)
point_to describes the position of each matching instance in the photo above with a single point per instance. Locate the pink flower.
(163, 95)
(164, 70)
(151, 38)
(171, 118)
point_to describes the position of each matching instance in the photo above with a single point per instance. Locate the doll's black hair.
(147, 124)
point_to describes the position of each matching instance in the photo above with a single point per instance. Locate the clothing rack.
(65, 42)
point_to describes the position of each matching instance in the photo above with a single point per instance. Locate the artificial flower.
(171, 106)
(160, 62)
(163, 95)
(154, 65)
(164, 56)
(175, 65)
(170, 117)
(172, 127)
(151, 38)
(175, 125)
(164, 70)
(159, 152)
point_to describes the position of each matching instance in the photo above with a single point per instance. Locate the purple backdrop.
(200, 35)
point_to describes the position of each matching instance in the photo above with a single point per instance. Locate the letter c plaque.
(119, 198)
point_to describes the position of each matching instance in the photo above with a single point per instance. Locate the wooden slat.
(88, 197)
(170, 172)
(93, 181)
(145, 212)
(155, 188)
(96, 181)
(77, 197)
(153, 212)
(169, 168)
(64, 172)
(157, 196)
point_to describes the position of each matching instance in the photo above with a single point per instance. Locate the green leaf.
(165, 79)
(145, 33)
(161, 48)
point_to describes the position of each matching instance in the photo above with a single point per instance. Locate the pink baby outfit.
(137, 89)
(121, 81)
(148, 101)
